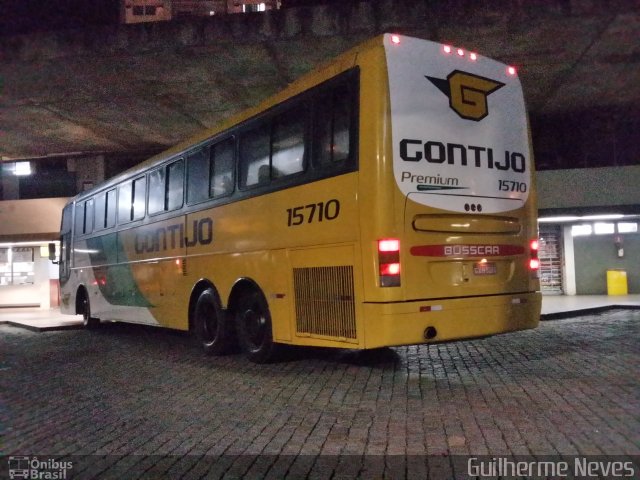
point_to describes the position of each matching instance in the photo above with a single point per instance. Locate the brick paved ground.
(147, 403)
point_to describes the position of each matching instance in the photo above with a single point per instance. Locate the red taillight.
(389, 245)
(389, 262)
(534, 261)
(388, 269)
(511, 70)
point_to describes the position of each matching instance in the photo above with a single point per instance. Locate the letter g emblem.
(467, 93)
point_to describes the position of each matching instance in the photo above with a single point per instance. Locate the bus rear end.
(461, 258)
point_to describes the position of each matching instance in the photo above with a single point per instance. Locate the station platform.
(553, 307)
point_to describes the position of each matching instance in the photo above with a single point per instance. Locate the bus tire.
(88, 321)
(255, 332)
(211, 327)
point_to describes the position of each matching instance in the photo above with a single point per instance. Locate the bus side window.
(139, 197)
(110, 214)
(156, 191)
(79, 219)
(288, 138)
(175, 185)
(222, 163)
(254, 153)
(84, 217)
(198, 176)
(332, 127)
(100, 211)
(124, 202)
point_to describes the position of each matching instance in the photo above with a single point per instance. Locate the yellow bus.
(384, 199)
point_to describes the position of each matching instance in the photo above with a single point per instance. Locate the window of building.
(627, 227)
(253, 7)
(602, 228)
(17, 266)
(581, 230)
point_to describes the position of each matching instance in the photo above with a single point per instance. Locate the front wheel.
(85, 309)
(254, 327)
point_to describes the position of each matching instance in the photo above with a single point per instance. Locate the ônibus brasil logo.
(467, 93)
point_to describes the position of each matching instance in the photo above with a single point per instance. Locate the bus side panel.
(147, 283)
(252, 240)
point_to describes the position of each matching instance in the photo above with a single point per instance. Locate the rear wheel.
(85, 309)
(212, 329)
(254, 327)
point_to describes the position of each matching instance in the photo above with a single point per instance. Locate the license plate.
(485, 269)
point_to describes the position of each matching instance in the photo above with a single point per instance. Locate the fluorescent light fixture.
(575, 218)
(22, 169)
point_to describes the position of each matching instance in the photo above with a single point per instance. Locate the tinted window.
(139, 194)
(254, 157)
(156, 191)
(287, 155)
(332, 126)
(175, 185)
(100, 210)
(79, 220)
(124, 203)
(110, 219)
(197, 176)
(88, 216)
(222, 163)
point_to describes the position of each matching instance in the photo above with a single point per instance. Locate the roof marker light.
(446, 49)
(473, 56)
(395, 39)
(460, 52)
(511, 70)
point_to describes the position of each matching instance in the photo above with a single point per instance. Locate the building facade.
(139, 11)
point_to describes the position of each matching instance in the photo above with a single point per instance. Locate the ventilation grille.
(324, 301)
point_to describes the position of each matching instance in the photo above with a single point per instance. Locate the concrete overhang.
(148, 86)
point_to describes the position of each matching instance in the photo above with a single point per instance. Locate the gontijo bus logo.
(467, 93)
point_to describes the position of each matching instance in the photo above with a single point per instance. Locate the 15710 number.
(511, 186)
(315, 212)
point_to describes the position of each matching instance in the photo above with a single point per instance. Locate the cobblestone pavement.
(148, 403)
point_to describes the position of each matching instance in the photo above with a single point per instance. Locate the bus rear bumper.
(428, 321)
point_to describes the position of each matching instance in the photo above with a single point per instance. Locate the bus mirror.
(52, 252)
